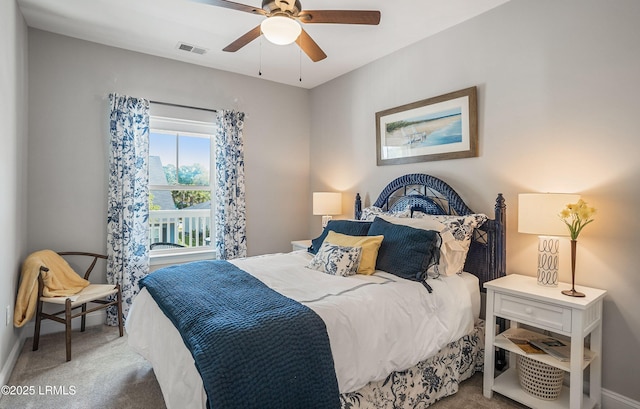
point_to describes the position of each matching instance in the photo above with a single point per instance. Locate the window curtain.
(230, 214)
(128, 198)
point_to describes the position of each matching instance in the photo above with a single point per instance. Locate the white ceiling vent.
(191, 48)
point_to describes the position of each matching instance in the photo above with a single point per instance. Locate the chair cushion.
(89, 293)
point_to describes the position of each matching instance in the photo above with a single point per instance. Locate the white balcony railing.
(189, 228)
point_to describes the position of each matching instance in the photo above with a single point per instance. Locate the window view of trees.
(188, 198)
(196, 174)
(180, 193)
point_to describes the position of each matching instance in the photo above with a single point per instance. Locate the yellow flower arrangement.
(576, 216)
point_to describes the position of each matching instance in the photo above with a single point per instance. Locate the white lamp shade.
(327, 203)
(539, 213)
(280, 30)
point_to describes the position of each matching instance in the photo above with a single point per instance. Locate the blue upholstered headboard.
(425, 193)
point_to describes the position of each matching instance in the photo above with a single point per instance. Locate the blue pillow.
(348, 227)
(405, 251)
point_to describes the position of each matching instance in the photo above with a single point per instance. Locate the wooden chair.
(93, 293)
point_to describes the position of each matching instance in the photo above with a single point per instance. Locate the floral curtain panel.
(230, 214)
(128, 198)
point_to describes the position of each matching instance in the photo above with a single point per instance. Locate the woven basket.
(539, 379)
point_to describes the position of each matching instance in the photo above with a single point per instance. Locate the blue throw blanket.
(253, 347)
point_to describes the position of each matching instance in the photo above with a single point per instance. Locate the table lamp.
(538, 213)
(326, 204)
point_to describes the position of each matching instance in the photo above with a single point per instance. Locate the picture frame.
(438, 128)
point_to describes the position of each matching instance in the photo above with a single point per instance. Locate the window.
(181, 164)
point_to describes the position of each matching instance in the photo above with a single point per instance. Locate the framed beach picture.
(442, 127)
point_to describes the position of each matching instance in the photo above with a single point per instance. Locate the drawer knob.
(528, 310)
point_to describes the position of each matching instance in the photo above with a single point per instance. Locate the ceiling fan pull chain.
(300, 59)
(260, 59)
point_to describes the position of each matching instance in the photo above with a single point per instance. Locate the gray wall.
(13, 170)
(69, 83)
(558, 106)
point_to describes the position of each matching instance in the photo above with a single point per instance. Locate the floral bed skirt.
(427, 382)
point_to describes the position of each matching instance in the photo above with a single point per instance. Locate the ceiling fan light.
(280, 30)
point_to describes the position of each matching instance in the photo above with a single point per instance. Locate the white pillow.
(456, 233)
(336, 260)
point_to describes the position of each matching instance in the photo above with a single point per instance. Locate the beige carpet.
(105, 373)
(103, 370)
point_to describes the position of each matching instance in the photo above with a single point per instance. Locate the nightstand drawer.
(528, 311)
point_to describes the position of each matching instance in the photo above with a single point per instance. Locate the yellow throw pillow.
(370, 246)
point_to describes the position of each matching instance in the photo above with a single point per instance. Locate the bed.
(395, 341)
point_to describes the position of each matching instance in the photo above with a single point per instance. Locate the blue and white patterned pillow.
(456, 233)
(461, 228)
(336, 260)
(370, 213)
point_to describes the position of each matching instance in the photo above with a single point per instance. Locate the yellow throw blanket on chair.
(59, 281)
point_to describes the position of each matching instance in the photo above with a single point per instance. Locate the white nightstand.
(522, 301)
(300, 245)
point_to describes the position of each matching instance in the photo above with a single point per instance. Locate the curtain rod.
(182, 106)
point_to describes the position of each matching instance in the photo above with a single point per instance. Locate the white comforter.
(376, 324)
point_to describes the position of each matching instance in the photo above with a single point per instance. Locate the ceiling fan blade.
(233, 6)
(369, 17)
(244, 40)
(310, 47)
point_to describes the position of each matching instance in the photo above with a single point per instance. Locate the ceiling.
(156, 27)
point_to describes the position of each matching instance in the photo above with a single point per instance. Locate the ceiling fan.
(282, 23)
